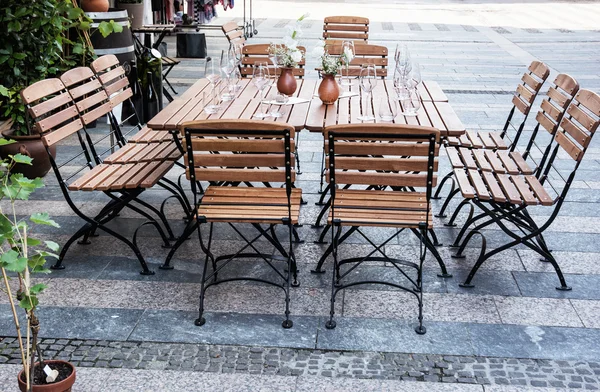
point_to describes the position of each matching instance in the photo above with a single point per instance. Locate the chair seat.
(501, 161)
(114, 177)
(472, 139)
(249, 205)
(169, 61)
(147, 135)
(380, 208)
(502, 188)
(145, 152)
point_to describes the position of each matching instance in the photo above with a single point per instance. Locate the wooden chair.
(57, 116)
(233, 33)
(531, 83)
(242, 151)
(380, 156)
(504, 198)
(500, 161)
(256, 53)
(363, 54)
(346, 28)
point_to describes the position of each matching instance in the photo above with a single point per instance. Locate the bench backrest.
(90, 98)
(382, 155)
(113, 78)
(532, 81)
(256, 53)
(346, 28)
(239, 151)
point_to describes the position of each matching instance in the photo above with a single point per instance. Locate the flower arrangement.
(288, 54)
(330, 64)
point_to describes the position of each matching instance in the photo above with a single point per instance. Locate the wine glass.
(368, 80)
(414, 76)
(213, 74)
(237, 52)
(275, 61)
(400, 84)
(388, 109)
(411, 103)
(402, 57)
(260, 78)
(228, 66)
(347, 51)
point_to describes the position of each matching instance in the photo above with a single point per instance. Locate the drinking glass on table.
(411, 103)
(228, 66)
(347, 56)
(403, 60)
(213, 74)
(260, 78)
(400, 84)
(414, 76)
(275, 61)
(368, 81)
(388, 109)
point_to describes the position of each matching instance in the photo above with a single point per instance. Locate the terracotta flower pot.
(94, 5)
(61, 386)
(32, 146)
(329, 91)
(286, 84)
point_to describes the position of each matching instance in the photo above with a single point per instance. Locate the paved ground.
(512, 332)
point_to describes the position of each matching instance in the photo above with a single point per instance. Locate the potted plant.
(135, 9)
(329, 91)
(287, 56)
(22, 255)
(36, 45)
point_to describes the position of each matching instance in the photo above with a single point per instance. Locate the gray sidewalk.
(512, 332)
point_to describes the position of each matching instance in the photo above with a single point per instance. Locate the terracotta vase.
(61, 386)
(32, 146)
(286, 84)
(329, 91)
(94, 5)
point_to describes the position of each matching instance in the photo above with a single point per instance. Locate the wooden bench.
(257, 53)
(58, 116)
(243, 151)
(504, 198)
(397, 159)
(340, 28)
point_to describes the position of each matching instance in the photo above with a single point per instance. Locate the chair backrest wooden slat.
(256, 53)
(346, 27)
(233, 33)
(381, 154)
(238, 150)
(539, 69)
(533, 81)
(111, 74)
(364, 54)
(579, 124)
(93, 104)
(553, 108)
(58, 117)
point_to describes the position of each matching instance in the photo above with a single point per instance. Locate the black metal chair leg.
(420, 329)
(84, 229)
(335, 234)
(322, 213)
(442, 214)
(457, 210)
(447, 177)
(189, 229)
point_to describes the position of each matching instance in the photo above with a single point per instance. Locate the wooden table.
(313, 115)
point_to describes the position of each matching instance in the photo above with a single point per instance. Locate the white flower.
(290, 42)
(348, 55)
(289, 30)
(318, 51)
(296, 56)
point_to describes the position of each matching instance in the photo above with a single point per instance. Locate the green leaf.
(42, 218)
(12, 262)
(105, 29)
(36, 289)
(117, 28)
(78, 48)
(20, 158)
(29, 302)
(84, 25)
(33, 241)
(3, 141)
(19, 56)
(53, 246)
(74, 13)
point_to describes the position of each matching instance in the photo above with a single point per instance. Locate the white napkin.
(290, 101)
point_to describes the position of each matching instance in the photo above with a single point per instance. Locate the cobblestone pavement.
(294, 362)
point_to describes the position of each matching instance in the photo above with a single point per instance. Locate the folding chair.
(54, 114)
(525, 94)
(244, 151)
(504, 198)
(381, 155)
(233, 33)
(346, 28)
(552, 110)
(255, 53)
(363, 54)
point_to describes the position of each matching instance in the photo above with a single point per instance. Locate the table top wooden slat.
(434, 111)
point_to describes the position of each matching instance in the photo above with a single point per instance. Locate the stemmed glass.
(411, 103)
(260, 78)
(414, 76)
(228, 66)
(368, 81)
(213, 74)
(275, 61)
(347, 47)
